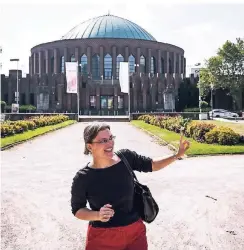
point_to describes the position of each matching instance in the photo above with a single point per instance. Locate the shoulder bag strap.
(127, 164)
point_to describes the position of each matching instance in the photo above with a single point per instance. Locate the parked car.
(222, 113)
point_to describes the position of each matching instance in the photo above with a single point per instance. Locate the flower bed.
(200, 131)
(9, 128)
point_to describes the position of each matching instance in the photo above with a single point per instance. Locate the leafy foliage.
(222, 136)
(225, 70)
(3, 105)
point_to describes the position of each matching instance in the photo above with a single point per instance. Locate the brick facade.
(148, 90)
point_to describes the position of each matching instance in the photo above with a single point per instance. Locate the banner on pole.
(71, 77)
(124, 77)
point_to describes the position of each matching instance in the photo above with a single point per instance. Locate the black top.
(112, 185)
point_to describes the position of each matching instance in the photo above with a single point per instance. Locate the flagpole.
(78, 90)
(129, 92)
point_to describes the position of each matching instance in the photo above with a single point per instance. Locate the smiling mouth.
(108, 150)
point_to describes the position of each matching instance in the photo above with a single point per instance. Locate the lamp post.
(1, 51)
(17, 82)
(78, 87)
(199, 82)
(212, 99)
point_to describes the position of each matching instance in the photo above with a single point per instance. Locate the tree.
(226, 71)
(207, 81)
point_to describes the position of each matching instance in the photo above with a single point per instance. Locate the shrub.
(3, 105)
(228, 137)
(173, 124)
(6, 129)
(22, 124)
(203, 104)
(176, 123)
(196, 109)
(212, 136)
(197, 130)
(25, 108)
(17, 129)
(141, 117)
(41, 121)
(14, 127)
(31, 125)
(222, 136)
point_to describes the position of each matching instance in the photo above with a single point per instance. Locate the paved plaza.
(201, 200)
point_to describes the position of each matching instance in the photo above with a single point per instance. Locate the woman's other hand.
(105, 213)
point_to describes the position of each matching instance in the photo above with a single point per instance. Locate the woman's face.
(102, 145)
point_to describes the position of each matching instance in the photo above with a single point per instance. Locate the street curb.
(20, 142)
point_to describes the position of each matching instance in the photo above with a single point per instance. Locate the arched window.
(119, 59)
(62, 64)
(96, 67)
(108, 67)
(142, 64)
(153, 65)
(162, 66)
(83, 62)
(170, 67)
(132, 62)
(72, 58)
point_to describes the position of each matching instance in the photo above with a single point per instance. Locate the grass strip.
(19, 138)
(196, 148)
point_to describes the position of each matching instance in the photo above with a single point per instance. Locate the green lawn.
(196, 147)
(33, 133)
(237, 127)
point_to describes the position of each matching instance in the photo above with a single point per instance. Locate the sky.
(199, 27)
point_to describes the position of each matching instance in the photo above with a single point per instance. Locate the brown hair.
(91, 131)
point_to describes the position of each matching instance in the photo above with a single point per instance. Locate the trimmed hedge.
(22, 108)
(196, 109)
(200, 131)
(9, 128)
(25, 108)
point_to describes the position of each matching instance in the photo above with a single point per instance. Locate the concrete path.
(200, 199)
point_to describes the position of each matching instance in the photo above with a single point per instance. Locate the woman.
(108, 187)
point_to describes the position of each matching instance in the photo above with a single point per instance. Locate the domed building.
(99, 45)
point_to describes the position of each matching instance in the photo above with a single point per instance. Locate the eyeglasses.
(105, 140)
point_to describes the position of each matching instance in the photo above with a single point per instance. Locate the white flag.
(71, 76)
(124, 77)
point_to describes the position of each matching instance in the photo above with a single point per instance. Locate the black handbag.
(144, 203)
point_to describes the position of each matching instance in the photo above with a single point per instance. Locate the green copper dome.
(108, 26)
